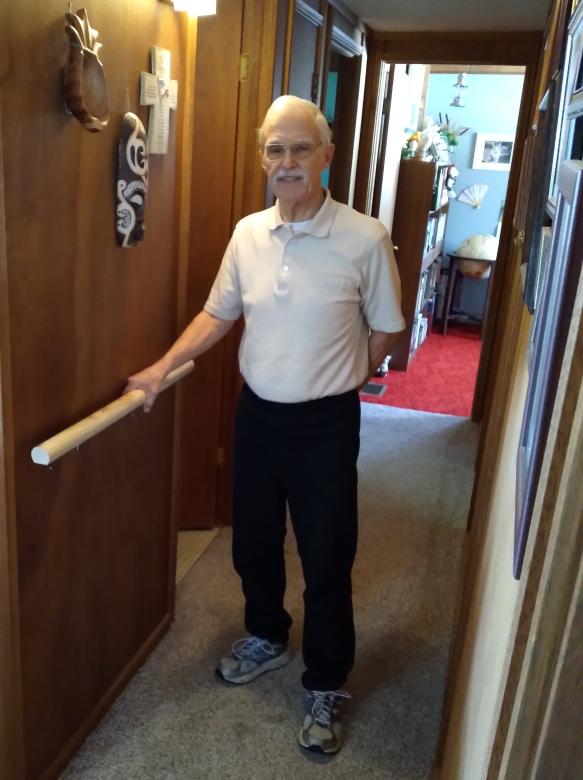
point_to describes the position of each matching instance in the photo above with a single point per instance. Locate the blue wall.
(492, 105)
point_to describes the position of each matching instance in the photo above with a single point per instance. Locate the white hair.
(310, 108)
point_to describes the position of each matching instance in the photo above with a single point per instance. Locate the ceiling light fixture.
(460, 84)
(461, 81)
(196, 7)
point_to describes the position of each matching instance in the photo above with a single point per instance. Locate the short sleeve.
(224, 300)
(381, 293)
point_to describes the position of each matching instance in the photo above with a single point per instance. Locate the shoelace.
(252, 648)
(323, 705)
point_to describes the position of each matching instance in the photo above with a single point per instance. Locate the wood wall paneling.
(93, 532)
(213, 161)
(11, 736)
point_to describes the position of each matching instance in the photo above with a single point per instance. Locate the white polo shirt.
(309, 296)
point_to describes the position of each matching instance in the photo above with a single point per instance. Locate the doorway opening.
(438, 176)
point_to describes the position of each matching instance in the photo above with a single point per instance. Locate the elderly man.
(318, 288)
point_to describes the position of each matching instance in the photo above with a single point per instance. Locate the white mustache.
(285, 174)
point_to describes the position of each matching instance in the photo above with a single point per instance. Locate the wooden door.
(233, 88)
(264, 21)
(215, 106)
(86, 547)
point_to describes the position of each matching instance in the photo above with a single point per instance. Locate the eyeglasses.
(299, 151)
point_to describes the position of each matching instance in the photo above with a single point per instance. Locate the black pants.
(303, 454)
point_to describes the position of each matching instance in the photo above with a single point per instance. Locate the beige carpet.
(191, 545)
(175, 721)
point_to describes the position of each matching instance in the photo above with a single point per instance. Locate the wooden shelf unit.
(421, 210)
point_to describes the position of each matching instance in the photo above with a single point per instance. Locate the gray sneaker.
(251, 657)
(322, 729)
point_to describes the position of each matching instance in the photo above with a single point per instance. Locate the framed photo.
(556, 294)
(493, 151)
(533, 253)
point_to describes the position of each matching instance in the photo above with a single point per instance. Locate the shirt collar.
(320, 224)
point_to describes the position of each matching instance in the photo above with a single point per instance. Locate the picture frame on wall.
(556, 293)
(543, 153)
(493, 151)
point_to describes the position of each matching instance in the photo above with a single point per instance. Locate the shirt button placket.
(282, 283)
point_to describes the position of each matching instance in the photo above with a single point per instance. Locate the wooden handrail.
(52, 449)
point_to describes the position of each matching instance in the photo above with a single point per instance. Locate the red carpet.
(441, 377)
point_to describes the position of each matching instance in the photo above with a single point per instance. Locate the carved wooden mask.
(132, 181)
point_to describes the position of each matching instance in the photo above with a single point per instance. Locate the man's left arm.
(382, 302)
(379, 346)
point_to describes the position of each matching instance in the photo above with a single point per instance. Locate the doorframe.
(520, 48)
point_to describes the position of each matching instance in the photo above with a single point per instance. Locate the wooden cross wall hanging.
(159, 92)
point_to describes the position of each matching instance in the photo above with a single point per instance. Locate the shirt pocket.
(343, 284)
(336, 302)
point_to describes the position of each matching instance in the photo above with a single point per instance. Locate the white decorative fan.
(473, 195)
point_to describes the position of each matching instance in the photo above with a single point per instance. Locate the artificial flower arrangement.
(451, 131)
(410, 146)
(430, 141)
(419, 144)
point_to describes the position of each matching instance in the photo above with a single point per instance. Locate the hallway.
(176, 721)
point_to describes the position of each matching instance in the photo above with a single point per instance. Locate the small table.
(453, 274)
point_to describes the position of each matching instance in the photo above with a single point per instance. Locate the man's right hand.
(149, 380)
(204, 331)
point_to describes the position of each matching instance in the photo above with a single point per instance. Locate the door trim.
(11, 716)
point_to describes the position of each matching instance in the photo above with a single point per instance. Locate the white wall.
(493, 612)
